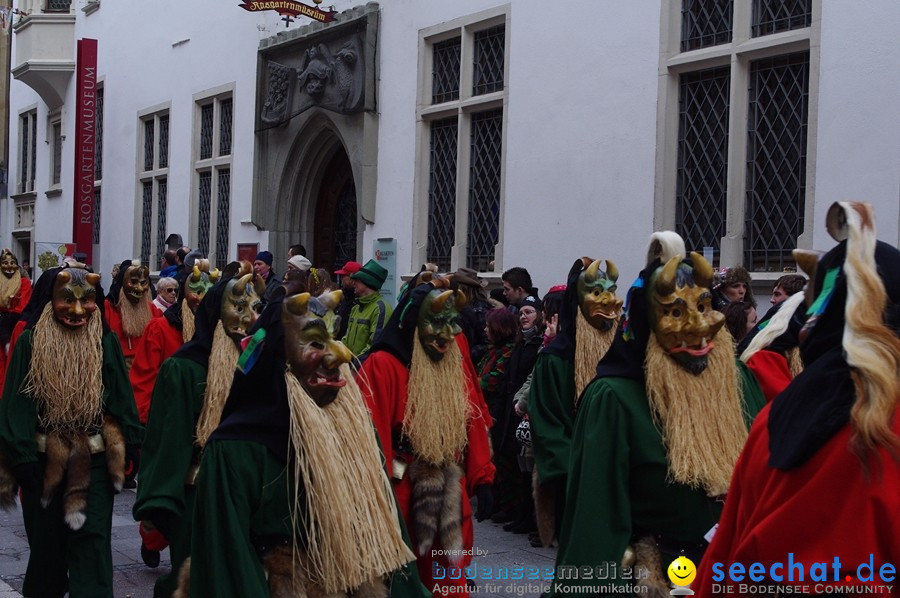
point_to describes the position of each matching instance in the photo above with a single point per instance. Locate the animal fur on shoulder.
(544, 509)
(646, 556)
(8, 485)
(437, 507)
(287, 579)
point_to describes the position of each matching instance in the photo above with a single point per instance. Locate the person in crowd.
(168, 264)
(429, 413)
(298, 262)
(658, 431)
(187, 402)
(262, 266)
(786, 286)
(472, 316)
(180, 254)
(516, 286)
(292, 498)
(588, 318)
(349, 298)
(166, 293)
(128, 307)
(740, 319)
(15, 291)
(296, 249)
(26, 269)
(68, 429)
(371, 312)
(732, 286)
(838, 420)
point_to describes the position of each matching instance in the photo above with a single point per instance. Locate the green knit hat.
(372, 274)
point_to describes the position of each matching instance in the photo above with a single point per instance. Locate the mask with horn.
(74, 297)
(241, 305)
(313, 355)
(597, 294)
(681, 313)
(438, 325)
(199, 282)
(136, 282)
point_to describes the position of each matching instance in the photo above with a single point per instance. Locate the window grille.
(488, 61)
(445, 70)
(206, 131)
(163, 141)
(345, 226)
(162, 210)
(146, 222)
(26, 145)
(223, 209)
(57, 153)
(776, 160)
(58, 5)
(148, 144)
(97, 211)
(205, 197)
(442, 192)
(705, 23)
(701, 194)
(772, 16)
(98, 140)
(484, 189)
(33, 169)
(225, 119)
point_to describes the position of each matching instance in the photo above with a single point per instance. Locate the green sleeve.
(752, 394)
(18, 414)
(168, 448)
(118, 396)
(550, 410)
(596, 526)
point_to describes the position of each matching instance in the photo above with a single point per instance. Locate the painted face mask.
(241, 305)
(681, 312)
(312, 353)
(437, 325)
(74, 297)
(597, 295)
(8, 263)
(196, 285)
(136, 283)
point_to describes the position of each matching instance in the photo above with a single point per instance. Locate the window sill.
(53, 192)
(91, 7)
(23, 197)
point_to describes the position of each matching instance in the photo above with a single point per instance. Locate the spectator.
(733, 286)
(298, 262)
(347, 302)
(740, 318)
(168, 264)
(262, 265)
(517, 286)
(297, 249)
(371, 312)
(166, 293)
(472, 316)
(180, 254)
(786, 286)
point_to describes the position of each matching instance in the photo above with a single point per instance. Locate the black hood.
(42, 294)
(208, 314)
(118, 282)
(563, 344)
(398, 334)
(784, 342)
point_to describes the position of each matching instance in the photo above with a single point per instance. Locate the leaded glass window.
(149, 128)
(205, 197)
(206, 131)
(776, 160)
(58, 5)
(98, 140)
(57, 153)
(164, 141)
(445, 70)
(28, 155)
(442, 192)
(484, 188)
(772, 16)
(155, 174)
(223, 207)
(146, 222)
(345, 226)
(705, 23)
(162, 212)
(702, 187)
(97, 212)
(225, 118)
(488, 61)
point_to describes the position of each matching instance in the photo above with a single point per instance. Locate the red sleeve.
(771, 371)
(479, 467)
(157, 313)
(18, 303)
(382, 380)
(147, 361)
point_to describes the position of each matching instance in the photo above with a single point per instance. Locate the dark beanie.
(264, 256)
(372, 275)
(534, 301)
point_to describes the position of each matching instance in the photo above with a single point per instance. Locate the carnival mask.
(681, 312)
(241, 305)
(312, 353)
(8, 263)
(136, 283)
(196, 285)
(437, 325)
(597, 295)
(74, 297)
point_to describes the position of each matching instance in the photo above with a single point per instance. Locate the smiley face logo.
(682, 571)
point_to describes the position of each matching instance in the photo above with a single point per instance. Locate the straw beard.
(187, 322)
(135, 316)
(65, 374)
(590, 346)
(222, 361)
(700, 418)
(342, 500)
(9, 288)
(437, 405)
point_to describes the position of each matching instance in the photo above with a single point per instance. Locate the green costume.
(164, 495)
(551, 409)
(618, 484)
(55, 549)
(367, 317)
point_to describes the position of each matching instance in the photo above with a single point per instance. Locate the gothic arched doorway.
(335, 228)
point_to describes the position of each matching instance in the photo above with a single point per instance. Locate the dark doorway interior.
(335, 226)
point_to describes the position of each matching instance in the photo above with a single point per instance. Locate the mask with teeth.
(597, 295)
(241, 305)
(313, 355)
(74, 297)
(200, 281)
(9, 265)
(136, 283)
(681, 313)
(438, 322)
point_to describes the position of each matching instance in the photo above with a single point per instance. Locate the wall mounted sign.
(385, 249)
(85, 146)
(289, 9)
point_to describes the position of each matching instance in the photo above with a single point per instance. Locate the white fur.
(775, 328)
(75, 520)
(665, 245)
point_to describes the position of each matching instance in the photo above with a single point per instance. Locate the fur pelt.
(8, 487)
(68, 457)
(115, 452)
(184, 580)
(436, 507)
(544, 509)
(287, 579)
(646, 556)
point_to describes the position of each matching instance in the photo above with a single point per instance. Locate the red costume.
(386, 397)
(159, 342)
(16, 305)
(771, 371)
(114, 319)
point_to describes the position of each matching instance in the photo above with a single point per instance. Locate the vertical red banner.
(85, 147)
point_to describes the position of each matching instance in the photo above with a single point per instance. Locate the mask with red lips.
(681, 313)
(597, 295)
(136, 283)
(438, 322)
(74, 297)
